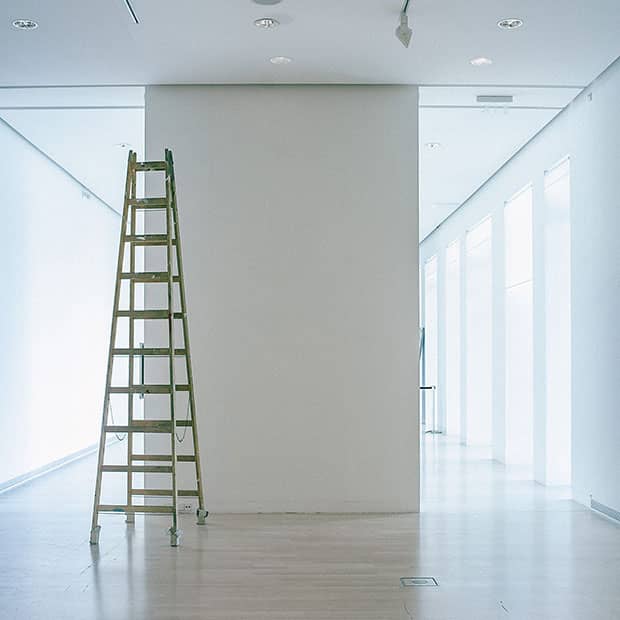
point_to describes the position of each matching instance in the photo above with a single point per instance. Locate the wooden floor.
(499, 546)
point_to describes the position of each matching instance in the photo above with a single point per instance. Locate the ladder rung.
(147, 276)
(132, 509)
(150, 469)
(145, 426)
(147, 389)
(183, 458)
(146, 314)
(148, 240)
(146, 166)
(161, 202)
(141, 426)
(150, 351)
(163, 492)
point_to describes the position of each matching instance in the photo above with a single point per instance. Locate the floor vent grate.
(413, 582)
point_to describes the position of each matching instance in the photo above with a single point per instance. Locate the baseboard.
(608, 512)
(46, 469)
(285, 506)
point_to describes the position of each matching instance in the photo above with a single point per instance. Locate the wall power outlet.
(187, 508)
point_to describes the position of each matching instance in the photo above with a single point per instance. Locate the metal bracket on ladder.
(131, 239)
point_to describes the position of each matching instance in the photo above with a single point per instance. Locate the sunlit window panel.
(519, 447)
(453, 339)
(479, 334)
(557, 324)
(431, 340)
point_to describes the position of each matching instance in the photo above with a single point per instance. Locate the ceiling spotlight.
(25, 24)
(511, 23)
(267, 2)
(280, 60)
(433, 146)
(480, 61)
(123, 145)
(403, 32)
(266, 23)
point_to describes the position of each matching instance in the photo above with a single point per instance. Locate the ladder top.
(148, 166)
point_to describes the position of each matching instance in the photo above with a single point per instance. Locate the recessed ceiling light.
(511, 23)
(25, 24)
(267, 23)
(433, 145)
(267, 2)
(280, 60)
(481, 61)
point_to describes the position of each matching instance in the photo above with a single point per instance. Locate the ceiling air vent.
(494, 98)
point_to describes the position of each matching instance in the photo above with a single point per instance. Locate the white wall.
(589, 131)
(57, 263)
(298, 209)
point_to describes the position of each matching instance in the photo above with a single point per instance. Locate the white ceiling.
(350, 41)
(475, 140)
(561, 47)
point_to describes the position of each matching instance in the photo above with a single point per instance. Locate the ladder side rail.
(95, 528)
(186, 346)
(130, 517)
(174, 531)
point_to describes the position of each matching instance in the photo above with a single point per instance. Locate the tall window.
(558, 319)
(430, 324)
(479, 330)
(453, 339)
(519, 328)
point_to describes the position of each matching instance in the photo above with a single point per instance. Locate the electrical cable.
(113, 423)
(182, 439)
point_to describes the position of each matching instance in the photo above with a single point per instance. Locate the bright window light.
(453, 339)
(519, 341)
(557, 324)
(431, 326)
(479, 334)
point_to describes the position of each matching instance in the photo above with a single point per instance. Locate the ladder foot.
(130, 518)
(201, 515)
(94, 535)
(175, 537)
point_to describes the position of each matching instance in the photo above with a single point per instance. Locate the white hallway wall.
(298, 209)
(58, 258)
(589, 131)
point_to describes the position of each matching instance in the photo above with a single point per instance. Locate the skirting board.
(46, 469)
(610, 513)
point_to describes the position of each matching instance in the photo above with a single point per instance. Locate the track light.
(403, 32)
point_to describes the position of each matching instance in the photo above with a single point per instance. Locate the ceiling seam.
(71, 107)
(488, 107)
(419, 85)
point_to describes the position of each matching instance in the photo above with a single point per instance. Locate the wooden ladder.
(131, 425)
